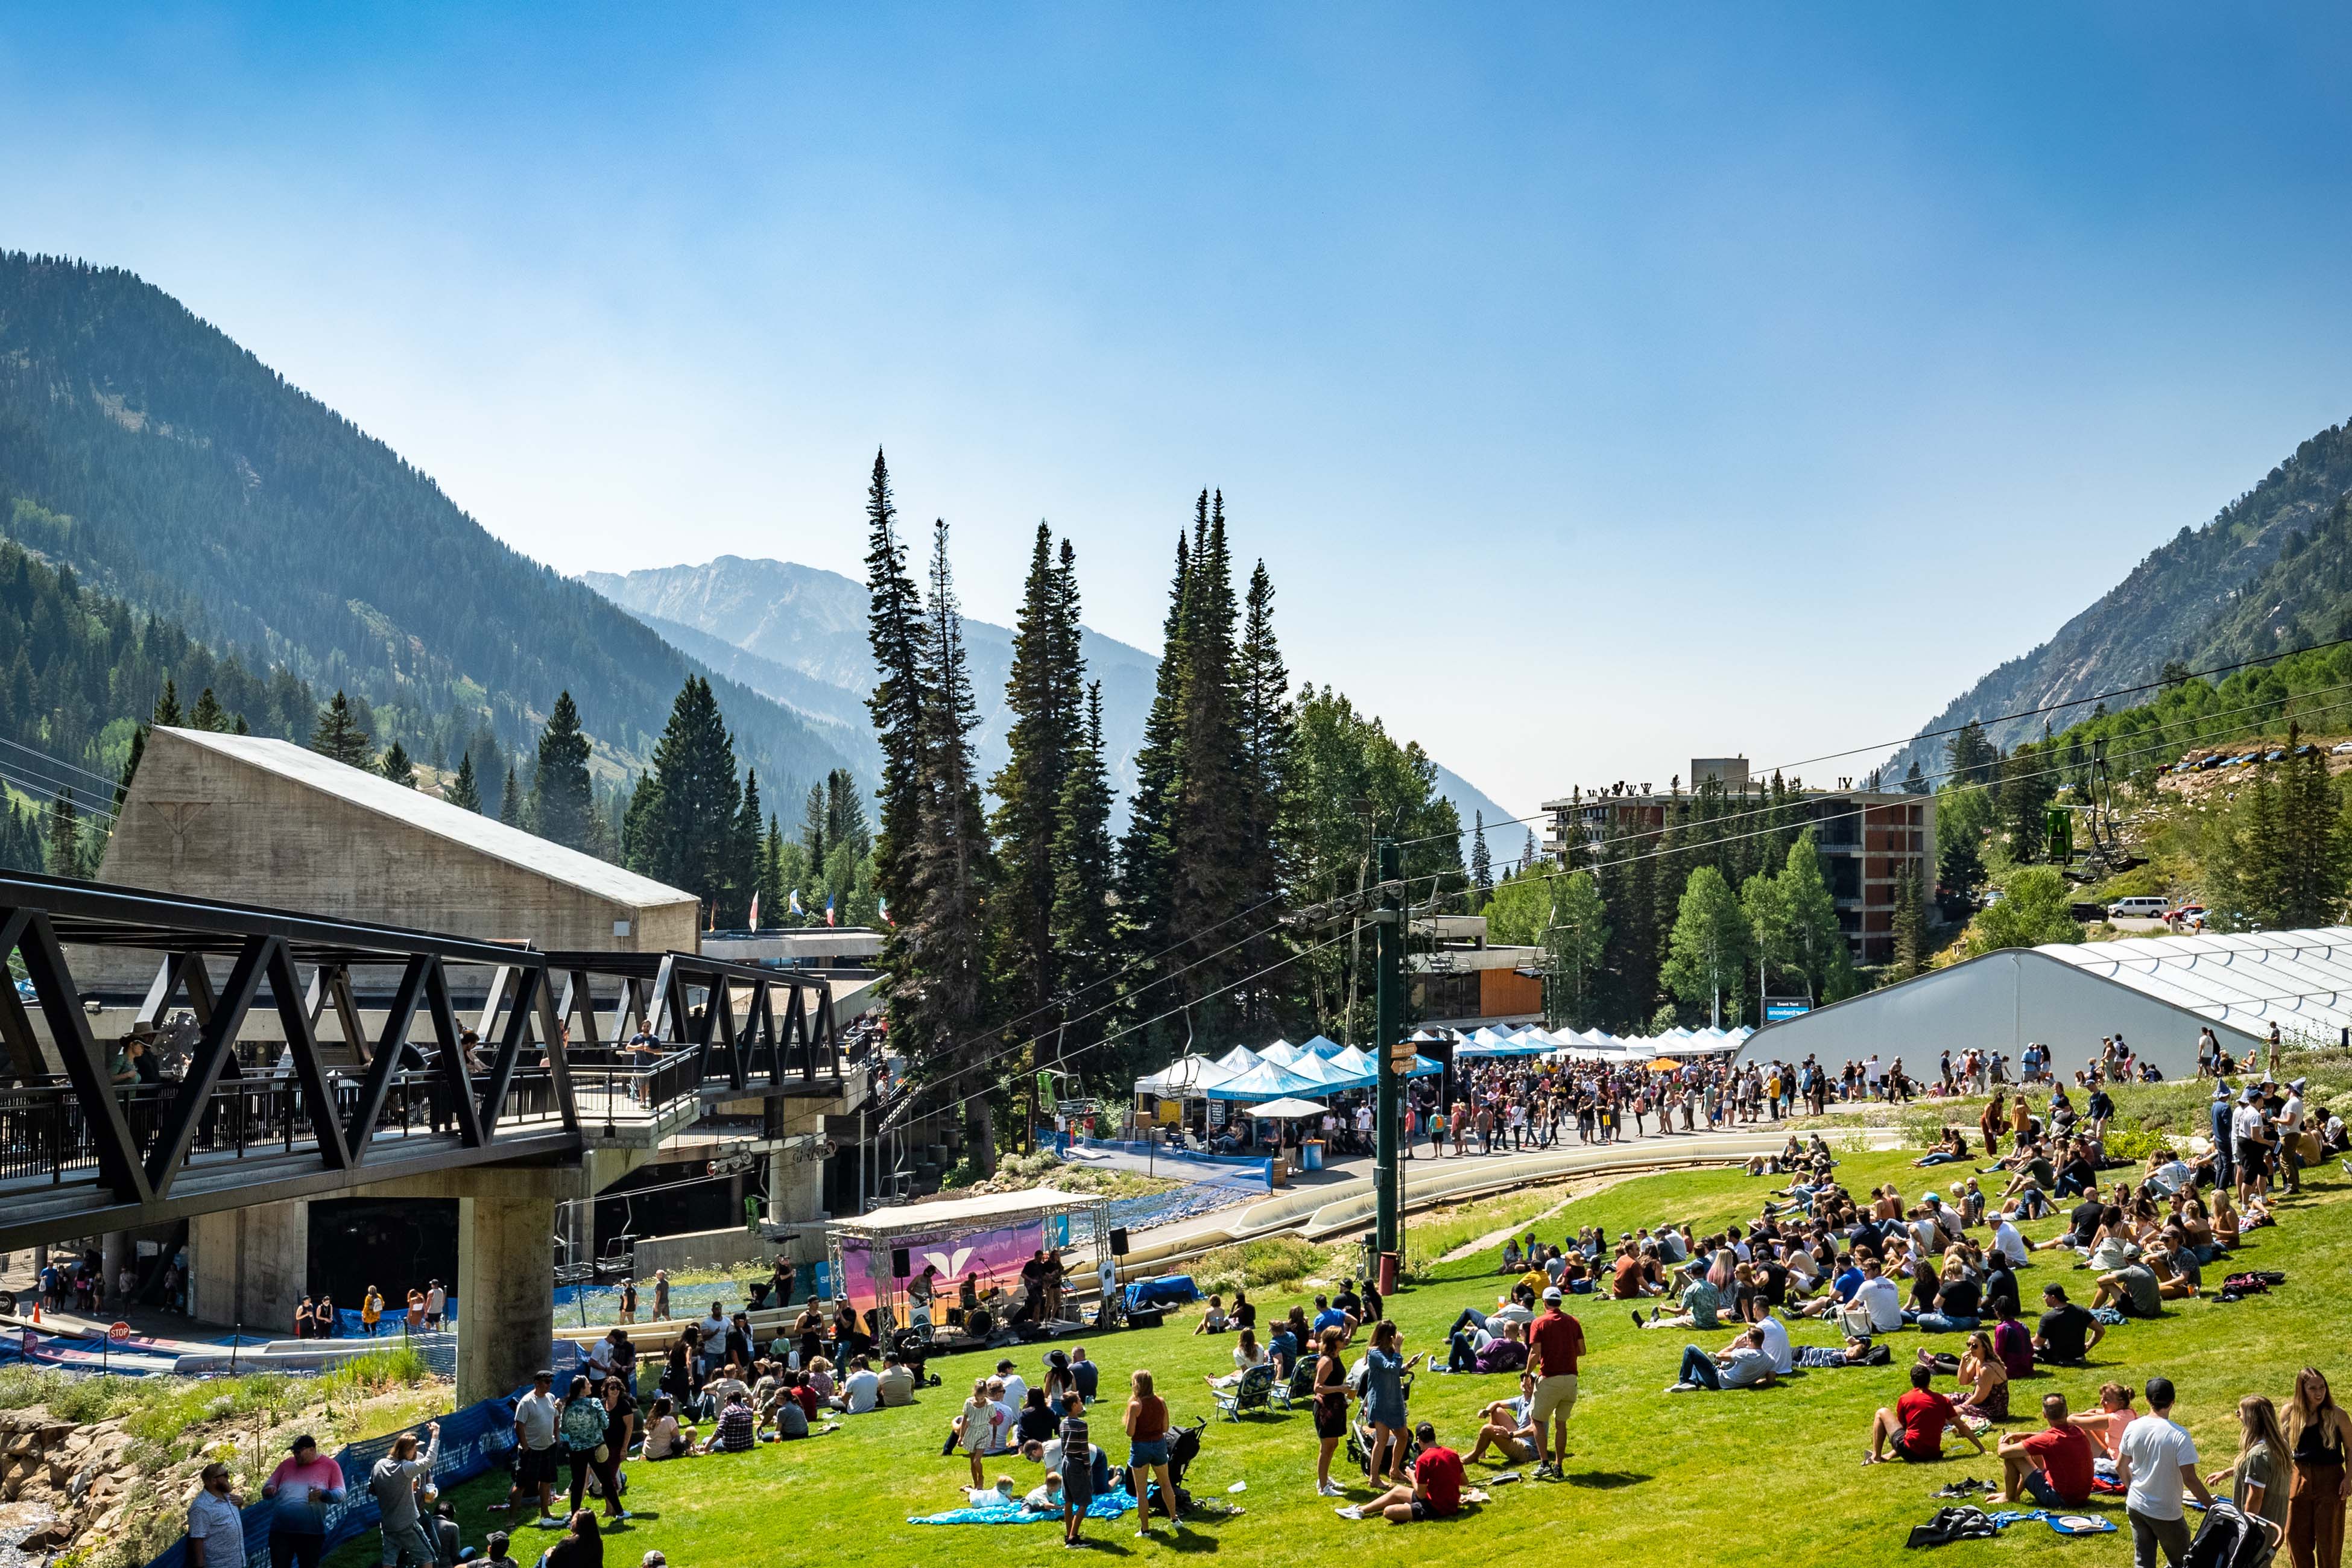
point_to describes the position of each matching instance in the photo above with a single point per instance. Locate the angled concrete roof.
(416, 809)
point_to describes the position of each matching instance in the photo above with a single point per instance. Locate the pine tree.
(1915, 782)
(63, 852)
(744, 848)
(1039, 693)
(1210, 850)
(394, 765)
(815, 841)
(207, 714)
(1269, 740)
(698, 804)
(1970, 755)
(1910, 923)
(844, 814)
(130, 770)
(463, 790)
(773, 905)
(2315, 855)
(562, 794)
(1083, 934)
(1482, 867)
(511, 800)
(940, 993)
(337, 734)
(167, 713)
(1147, 848)
(894, 628)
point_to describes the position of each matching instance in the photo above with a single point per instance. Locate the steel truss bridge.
(323, 1105)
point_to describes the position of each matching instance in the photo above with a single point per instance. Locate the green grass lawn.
(1761, 1475)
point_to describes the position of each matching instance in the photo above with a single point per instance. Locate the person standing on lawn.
(1146, 1421)
(216, 1528)
(1555, 1345)
(1078, 1467)
(2155, 1460)
(301, 1489)
(2318, 1434)
(535, 1452)
(393, 1483)
(1330, 1409)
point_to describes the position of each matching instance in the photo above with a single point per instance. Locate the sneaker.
(1330, 1488)
(1637, 1316)
(1681, 1388)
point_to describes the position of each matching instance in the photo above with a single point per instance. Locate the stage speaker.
(899, 1262)
(1145, 1318)
(1118, 1241)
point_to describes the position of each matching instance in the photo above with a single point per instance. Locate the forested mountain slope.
(2240, 586)
(172, 468)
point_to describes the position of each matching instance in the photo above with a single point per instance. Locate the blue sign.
(1778, 1012)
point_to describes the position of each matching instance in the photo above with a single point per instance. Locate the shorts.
(2250, 1157)
(2038, 1483)
(1077, 1486)
(534, 1466)
(1910, 1455)
(1555, 1399)
(1423, 1508)
(1141, 1455)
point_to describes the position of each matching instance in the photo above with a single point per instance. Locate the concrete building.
(1455, 978)
(2157, 992)
(268, 822)
(1867, 839)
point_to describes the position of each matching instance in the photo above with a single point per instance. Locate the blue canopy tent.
(1266, 1080)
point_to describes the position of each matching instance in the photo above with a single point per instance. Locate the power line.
(2000, 719)
(57, 762)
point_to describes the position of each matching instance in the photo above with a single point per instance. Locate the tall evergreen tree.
(63, 849)
(1147, 849)
(940, 994)
(464, 790)
(1269, 731)
(844, 815)
(395, 765)
(1482, 866)
(1041, 693)
(1082, 933)
(564, 799)
(207, 713)
(337, 734)
(744, 846)
(691, 838)
(894, 630)
(1211, 851)
(167, 713)
(2315, 855)
(1910, 923)
(1817, 945)
(815, 839)
(511, 800)
(1915, 782)
(1578, 937)
(774, 907)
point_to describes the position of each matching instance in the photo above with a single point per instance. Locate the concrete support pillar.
(114, 1249)
(506, 1303)
(250, 1267)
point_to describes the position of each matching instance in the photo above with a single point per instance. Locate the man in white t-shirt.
(2010, 1243)
(1872, 1072)
(1881, 1298)
(1016, 1388)
(1772, 1337)
(2154, 1462)
(861, 1391)
(2289, 1122)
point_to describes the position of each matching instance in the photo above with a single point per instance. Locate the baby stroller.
(1184, 1448)
(2231, 1538)
(1359, 1439)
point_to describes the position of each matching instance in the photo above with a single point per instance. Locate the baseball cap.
(1551, 1293)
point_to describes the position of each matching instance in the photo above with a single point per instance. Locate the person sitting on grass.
(1435, 1492)
(1952, 1146)
(2132, 1290)
(1744, 1364)
(1212, 1322)
(1508, 1426)
(737, 1430)
(1481, 1350)
(1915, 1428)
(1702, 1298)
(2103, 1424)
(2049, 1468)
(2067, 1333)
(1856, 1353)
(665, 1438)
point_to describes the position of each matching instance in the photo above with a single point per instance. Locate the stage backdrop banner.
(996, 1256)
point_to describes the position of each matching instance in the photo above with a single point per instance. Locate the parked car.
(2341, 749)
(2188, 917)
(2214, 761)
(2275, 754)
(2146, 907)
(2089, 914)
(2306, 750)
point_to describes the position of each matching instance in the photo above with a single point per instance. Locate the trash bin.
(1310, 1154)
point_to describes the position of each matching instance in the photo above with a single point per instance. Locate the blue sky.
(1602, 385)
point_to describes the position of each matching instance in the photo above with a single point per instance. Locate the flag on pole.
(793, 899)
(755, 911)
(828, 909)
(882, 908)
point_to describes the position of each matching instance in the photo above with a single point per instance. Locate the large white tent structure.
(2158, 991)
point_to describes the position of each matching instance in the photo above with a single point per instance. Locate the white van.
(2144, 909)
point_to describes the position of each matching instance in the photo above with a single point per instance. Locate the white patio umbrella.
(1288, 1110)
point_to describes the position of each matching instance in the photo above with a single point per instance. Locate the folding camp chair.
(1253, 1392)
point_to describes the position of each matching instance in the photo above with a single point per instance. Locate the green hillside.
(2273, 570)
(170, 467)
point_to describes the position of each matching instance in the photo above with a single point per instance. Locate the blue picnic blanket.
(1106, 1505)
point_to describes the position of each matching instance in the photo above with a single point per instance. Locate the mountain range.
(797, 634)
(162, 462)
(146, 450)
(2272, 572)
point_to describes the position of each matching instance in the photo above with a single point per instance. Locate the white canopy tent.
(1185, 1076)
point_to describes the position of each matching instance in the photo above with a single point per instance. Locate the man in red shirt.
(2051, 1466)
(1916, 1425)
(1554, 1341)
(1435, 1491)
